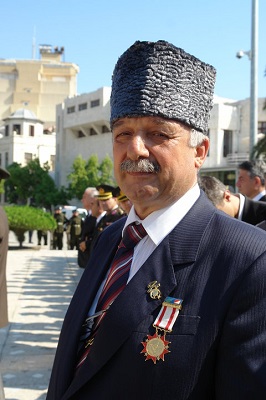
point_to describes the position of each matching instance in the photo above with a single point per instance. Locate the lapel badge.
(154, 291)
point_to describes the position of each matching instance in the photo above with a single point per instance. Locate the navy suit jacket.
(254, 212)
(217, 265)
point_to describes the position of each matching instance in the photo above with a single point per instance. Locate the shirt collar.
(161, 222)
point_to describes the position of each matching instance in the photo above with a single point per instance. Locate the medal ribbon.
(168, 314)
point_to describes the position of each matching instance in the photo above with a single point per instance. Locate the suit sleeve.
(241, 363)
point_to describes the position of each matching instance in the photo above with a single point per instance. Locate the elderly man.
(182, 314)
(88, 226)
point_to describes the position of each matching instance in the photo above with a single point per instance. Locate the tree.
(259, 149)
(90, 173)
(25, 218)
(33, 185)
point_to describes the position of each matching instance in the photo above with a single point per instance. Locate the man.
(251, 180)
(190, 322)
(88, 226)
(75, 230)
(108, 202)
(4, 232)
(123, 201)
(58, 233)
(235, 205)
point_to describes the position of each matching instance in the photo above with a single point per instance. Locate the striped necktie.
(116, 281)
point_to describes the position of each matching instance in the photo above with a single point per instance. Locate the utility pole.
(253, 78)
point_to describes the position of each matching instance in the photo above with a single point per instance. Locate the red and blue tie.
(115, 282)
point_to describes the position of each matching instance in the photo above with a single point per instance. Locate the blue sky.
(95, 33)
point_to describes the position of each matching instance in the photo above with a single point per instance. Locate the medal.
(155, 347)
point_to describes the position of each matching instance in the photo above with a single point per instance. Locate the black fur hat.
(159, 79)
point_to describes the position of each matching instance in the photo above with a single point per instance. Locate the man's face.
(246, 184)
(87, 199)
(108, 205)
(164, 143)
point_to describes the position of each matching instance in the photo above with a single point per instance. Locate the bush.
(25, 218)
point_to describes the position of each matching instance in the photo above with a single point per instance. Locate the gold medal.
(155, 347)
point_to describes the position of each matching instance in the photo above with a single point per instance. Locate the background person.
(88, 226)
(236, 205)
(58, 233)
(203, 271)
(123, 202)
(251, 180)
(75, 230)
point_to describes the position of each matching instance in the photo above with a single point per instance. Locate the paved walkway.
(41, 283)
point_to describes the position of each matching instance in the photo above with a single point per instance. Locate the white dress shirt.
(157, 225)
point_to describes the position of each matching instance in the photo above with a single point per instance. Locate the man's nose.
(137, 148)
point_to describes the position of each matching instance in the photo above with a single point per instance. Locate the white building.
(83, 129)
(24, 139)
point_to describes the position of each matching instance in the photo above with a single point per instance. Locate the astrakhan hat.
(159, 79)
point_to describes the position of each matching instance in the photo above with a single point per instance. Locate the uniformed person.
(108, 202)
(123, 201)
(75, 223)
(59, 230)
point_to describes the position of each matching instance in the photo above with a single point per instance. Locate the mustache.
(142, 165)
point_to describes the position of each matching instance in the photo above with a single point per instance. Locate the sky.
(94, 33)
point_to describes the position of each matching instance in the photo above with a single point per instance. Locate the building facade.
(37, 85)
(83, 129)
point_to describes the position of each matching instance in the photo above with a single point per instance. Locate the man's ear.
(257, 182)
(227, 195)
(201, 153)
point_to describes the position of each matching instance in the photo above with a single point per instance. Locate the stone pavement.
(41, 283)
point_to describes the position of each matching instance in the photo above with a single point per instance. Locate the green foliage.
(33, 184)
(259, 149)
(25, 218)
(90, 173)
(2, 187)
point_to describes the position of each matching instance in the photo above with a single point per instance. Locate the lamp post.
(253, 57)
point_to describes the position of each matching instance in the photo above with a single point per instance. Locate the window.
(0, 159)
(92, 132)
(27, 157)
(95, 103)
(262, 127)
(70, 110)
(228, 143)
(83, 106)
(31, 130)
(105, 129)
(80, 134)
(6, 159)
(7, 130)
(17, 129)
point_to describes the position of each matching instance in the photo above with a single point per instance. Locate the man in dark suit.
(234, 204)
(190, 322)
(88, 226)
(251, 180)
